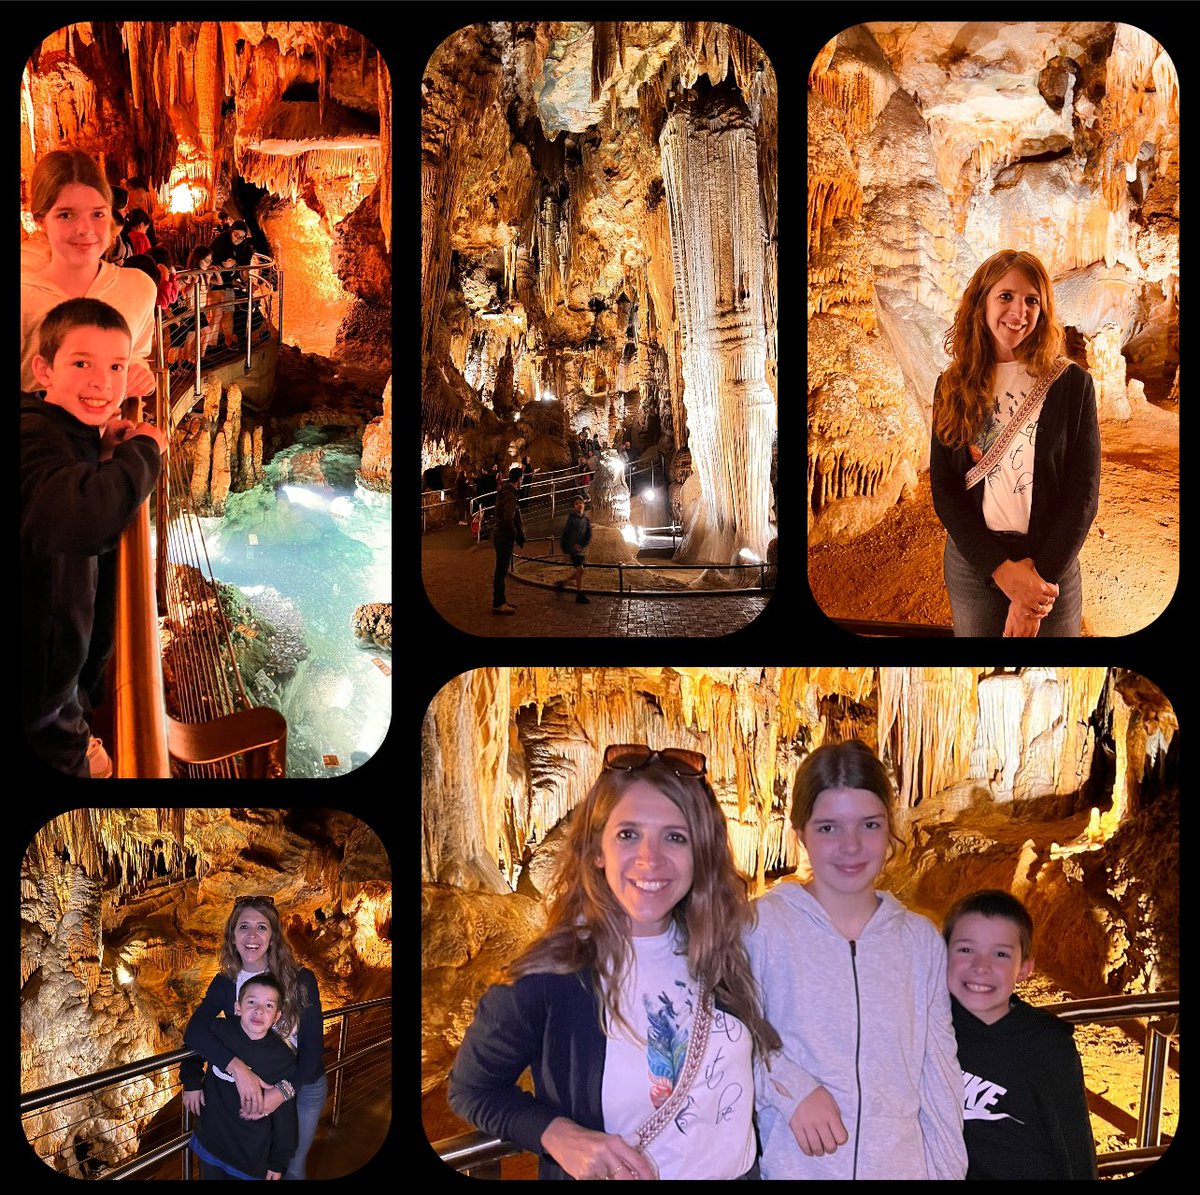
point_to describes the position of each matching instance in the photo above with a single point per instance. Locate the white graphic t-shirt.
(1008, 487)
(712, 1134)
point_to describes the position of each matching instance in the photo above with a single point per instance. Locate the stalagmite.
(711, 177)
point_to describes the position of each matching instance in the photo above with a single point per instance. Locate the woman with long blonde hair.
(1015, 457)
(636, 1009)
(253, 943)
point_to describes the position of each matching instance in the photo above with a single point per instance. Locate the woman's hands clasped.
(1030, 597)
(586, 1153)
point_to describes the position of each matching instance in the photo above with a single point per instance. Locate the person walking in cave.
(507, 532)
(1015, 457)
(231, 249)
(576, 536)
(253, 943)
(84, 472)
(635, 1010)
(119, 250)
(867, 1085)
(136, 225)
(1025, 1110)
(228, 1145)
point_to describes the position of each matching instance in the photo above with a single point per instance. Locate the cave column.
(710, 173)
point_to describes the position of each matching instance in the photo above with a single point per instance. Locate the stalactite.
(605, 51)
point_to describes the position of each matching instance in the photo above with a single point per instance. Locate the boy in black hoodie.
(227, 1145)
(84, 473)
(1025, 1109)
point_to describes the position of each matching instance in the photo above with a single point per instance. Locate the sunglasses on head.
(628, 757)
(246, 900)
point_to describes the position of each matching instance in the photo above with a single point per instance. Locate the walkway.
(458, 582)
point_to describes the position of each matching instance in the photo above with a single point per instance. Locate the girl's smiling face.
(252, 936)
(846, 837)
(78, 226)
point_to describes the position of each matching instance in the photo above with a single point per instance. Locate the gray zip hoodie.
(870, 1021)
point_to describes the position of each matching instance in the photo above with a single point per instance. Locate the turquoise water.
(305, 556)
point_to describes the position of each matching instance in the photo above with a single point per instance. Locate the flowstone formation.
(931, 146)
(599, 231)
(121, 918)
(1037, 780)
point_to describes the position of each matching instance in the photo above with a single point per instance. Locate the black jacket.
(251, 1146)
(508, 516)
(576, 535)
(1024, 1106)
(73, 507)
(1066, 484)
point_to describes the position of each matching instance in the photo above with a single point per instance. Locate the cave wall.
(931, 146)
(121, 916)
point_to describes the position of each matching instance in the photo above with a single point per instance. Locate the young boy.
(84, 473)
(1024, 1105)
(576, 536)
(227, 1145)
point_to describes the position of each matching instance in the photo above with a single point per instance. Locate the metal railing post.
(279, 296)
(249, 277)
(198, 311)
(1154, 1076)
(343, 1034)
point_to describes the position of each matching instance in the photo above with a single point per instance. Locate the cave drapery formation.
(210, 112)
(122, 912)
(598, 249)
(997, 773)
(931, 146)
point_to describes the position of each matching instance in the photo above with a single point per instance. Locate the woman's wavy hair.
(281, 962)
(848, 764)
(964, 391)
(59, 168)
(587, 927)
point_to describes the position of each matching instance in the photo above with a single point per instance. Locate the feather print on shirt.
(666, 1046)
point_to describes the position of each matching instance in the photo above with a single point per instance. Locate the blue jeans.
(310, 1099)
(979, 606)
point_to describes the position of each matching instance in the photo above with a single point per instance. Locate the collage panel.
(782, 902)
(599, 306)
(993, 333)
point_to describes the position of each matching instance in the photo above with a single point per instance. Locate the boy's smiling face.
(88, 374)
(258, 1009)
(984, 964)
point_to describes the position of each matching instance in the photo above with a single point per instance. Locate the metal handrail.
(480, 1154)
(44, 1097)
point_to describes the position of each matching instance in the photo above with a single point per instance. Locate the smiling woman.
(639, 980)
(253, 944)
(1015, 457)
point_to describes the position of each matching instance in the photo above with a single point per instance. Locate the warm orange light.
(182, 199)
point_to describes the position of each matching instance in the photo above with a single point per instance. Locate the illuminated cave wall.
(121, 919)
(997, 773)
(210, 110)
(931, 145)
(599, 229)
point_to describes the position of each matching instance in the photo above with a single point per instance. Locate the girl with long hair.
(636, 1009)
(867, 1084)
(1015, 457)
(253, 943)
(73, 205)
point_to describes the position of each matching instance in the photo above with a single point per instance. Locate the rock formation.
(373, 622)
(931, 146)
(599, 226)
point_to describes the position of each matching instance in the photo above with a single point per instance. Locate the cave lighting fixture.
(746, 554)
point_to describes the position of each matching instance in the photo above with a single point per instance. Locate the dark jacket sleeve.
(1078, 1144)
(959, 510)
(310, 1040)
(199, 1035)
(191, 1073)
(284, 1135)
(74, 507)
(1079, 492)
(504, 1038)
(586, 537)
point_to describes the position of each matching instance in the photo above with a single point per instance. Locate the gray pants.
(979, 606)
